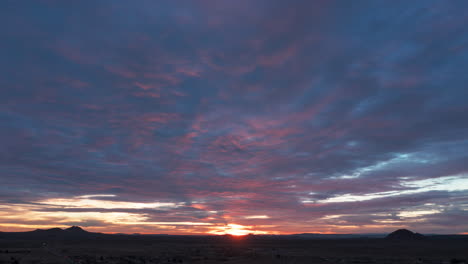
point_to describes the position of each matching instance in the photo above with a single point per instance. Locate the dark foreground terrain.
(90, 248)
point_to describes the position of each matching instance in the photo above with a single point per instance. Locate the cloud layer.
(234, 116)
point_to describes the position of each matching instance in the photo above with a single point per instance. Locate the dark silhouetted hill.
(75, 230)
(404, 234)
(71, 232)
(52, 231)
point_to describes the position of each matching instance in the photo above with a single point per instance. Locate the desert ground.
(127, 249)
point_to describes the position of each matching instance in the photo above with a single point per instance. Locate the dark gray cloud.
(294, 117)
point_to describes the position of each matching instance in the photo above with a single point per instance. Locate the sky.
(234, 117)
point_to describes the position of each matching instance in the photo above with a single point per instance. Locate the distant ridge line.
(79, 232)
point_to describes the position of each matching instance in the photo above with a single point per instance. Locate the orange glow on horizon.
(235, 230)
(99, 213)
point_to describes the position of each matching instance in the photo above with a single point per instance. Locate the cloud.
(448, 183)
(255, 116)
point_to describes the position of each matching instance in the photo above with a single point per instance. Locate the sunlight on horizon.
(235, 230)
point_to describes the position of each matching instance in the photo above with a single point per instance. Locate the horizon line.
(227, 234)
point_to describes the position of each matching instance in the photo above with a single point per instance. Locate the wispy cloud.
(250, 116)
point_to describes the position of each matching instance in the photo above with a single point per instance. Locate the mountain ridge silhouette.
(404, 234)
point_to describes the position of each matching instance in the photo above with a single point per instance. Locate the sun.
(235, 230)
